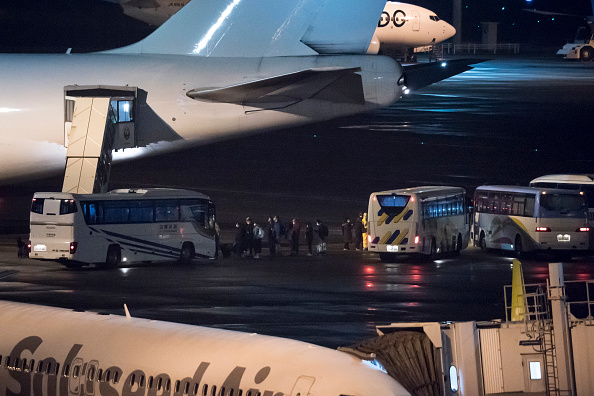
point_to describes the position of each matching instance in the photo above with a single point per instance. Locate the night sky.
(37, 26)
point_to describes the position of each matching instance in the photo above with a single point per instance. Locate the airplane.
(402, 27)
(207, 73)
(408, 28)
(55, 351)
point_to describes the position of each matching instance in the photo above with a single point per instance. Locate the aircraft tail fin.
(261, 28)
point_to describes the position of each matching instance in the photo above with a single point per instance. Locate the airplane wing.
(262, 28)
(550, 13)
(284, 90)
(423, 74)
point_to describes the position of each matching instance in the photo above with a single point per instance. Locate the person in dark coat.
(271, 237)
(322, 231)
(295, 231)
(279, 232)
(249, 236)
(309, 236)
(347, 233)
(359, 232)
(239, 240)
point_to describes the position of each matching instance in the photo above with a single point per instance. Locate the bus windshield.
(562, 205)
(393, 205)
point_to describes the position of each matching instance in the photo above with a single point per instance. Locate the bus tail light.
(583, 229)
(73, 246)
(417, 240)
(543, 229)
(29, 246)
(369, 238)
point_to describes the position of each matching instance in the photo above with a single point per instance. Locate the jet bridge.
(98, 120)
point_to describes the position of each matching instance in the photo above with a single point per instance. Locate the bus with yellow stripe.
(428, 220)
(529, 219)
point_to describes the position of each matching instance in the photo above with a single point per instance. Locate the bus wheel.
(482, 241)
(187, 253)
(113, 258)
(518, 250)
(433, 251)
(458, 245)
(586, 53)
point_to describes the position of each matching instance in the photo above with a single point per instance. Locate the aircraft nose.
(448, 30)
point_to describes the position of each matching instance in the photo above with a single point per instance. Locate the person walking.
(296, 230)
(239, 240)
(309, 236)
(258, 235)
(359, 232)
(279, 232)
(347, 233)
(271, 238)
(322, 231)
(249, 236)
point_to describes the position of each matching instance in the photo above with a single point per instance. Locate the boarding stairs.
(92, 132)
(539, 324)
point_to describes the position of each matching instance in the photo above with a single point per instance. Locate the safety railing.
(451, 48)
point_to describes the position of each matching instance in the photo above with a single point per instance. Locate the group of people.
(249, 236)
(355, 232)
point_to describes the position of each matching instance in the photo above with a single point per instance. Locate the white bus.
(122, 226)
(528, 219)
(429, 220)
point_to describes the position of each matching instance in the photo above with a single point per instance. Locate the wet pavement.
(331, 300)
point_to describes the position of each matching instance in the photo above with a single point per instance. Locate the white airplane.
(208, 73)
(54, 351)
(402, 26)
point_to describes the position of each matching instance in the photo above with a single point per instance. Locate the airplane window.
(187, 388)
(24, 364)
(115, 377)
(150, 382)
(214, 390)
(168, 385)
(67, 371)
(40, 367)
(48, 367)
(31, 364)
(0, 360)
(107, 375)
(177, 386)
(222, 391)
(57, 369)
(159, 383)
(195, 392)
(16, 363)
(141, 382)
(99, 374)
(132, 378)
(205, 390)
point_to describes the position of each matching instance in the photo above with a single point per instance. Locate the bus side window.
(166, 211)
(529, 208)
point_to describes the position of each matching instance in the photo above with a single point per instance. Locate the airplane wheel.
(586, 54)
